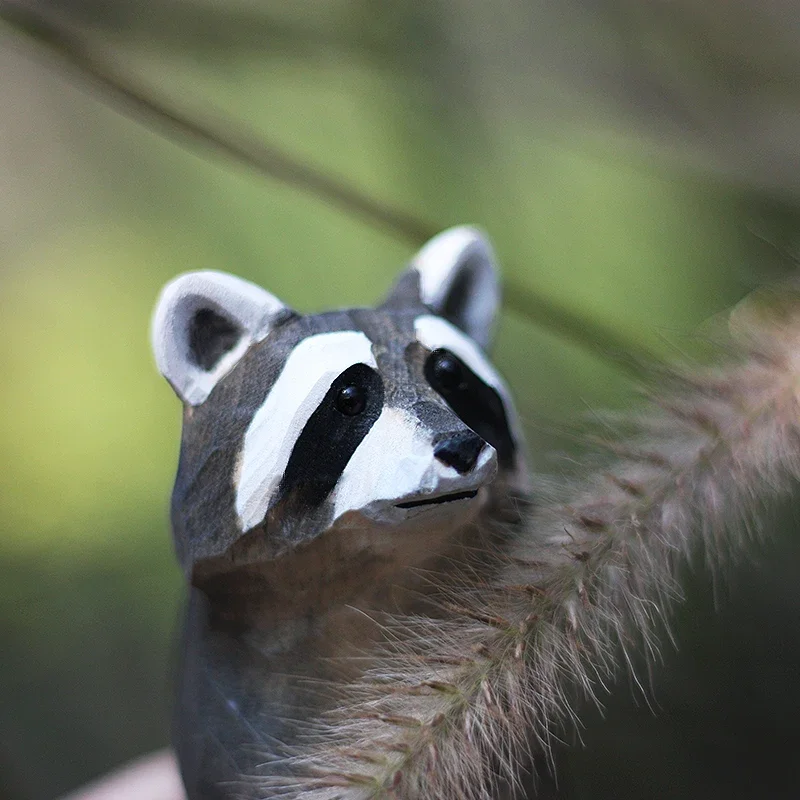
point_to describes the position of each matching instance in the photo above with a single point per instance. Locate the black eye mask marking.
(331, 435)
(477, 404)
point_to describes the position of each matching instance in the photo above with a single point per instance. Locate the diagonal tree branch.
(248, 148)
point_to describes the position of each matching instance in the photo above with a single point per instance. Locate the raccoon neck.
(267, 643)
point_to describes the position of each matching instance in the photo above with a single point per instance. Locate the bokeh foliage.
(97, 212)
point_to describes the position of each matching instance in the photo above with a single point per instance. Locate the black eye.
(477, 403)
(446, 371)
(351, 400)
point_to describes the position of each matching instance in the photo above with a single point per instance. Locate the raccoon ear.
(458, 280)
(202, 325)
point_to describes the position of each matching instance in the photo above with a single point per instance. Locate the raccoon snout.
(459, 450)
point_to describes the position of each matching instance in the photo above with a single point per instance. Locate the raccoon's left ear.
(458, 280)
(203, 324)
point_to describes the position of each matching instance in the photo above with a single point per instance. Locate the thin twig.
(220, 134)
(143, 104)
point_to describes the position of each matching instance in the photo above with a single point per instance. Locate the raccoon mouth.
(442, 498)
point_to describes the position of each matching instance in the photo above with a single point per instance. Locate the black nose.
(459, 450)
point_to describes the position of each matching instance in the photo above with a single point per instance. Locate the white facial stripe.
(362, 482)
(395, 461)
(305, 379)
(434, 332)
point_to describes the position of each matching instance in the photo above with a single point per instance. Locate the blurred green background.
(634, 162)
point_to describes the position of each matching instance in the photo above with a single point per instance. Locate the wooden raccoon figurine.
(333, 468)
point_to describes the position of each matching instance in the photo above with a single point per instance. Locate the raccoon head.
(383, 417)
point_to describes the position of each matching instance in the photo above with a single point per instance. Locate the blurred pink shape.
(153, 777)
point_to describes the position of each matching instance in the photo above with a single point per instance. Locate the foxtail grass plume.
(456, 702)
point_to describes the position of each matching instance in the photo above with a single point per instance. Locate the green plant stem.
(249, 148)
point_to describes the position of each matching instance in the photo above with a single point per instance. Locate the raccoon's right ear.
(202, 325)
(455, 275)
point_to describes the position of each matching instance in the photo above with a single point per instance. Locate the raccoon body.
(330, 464)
